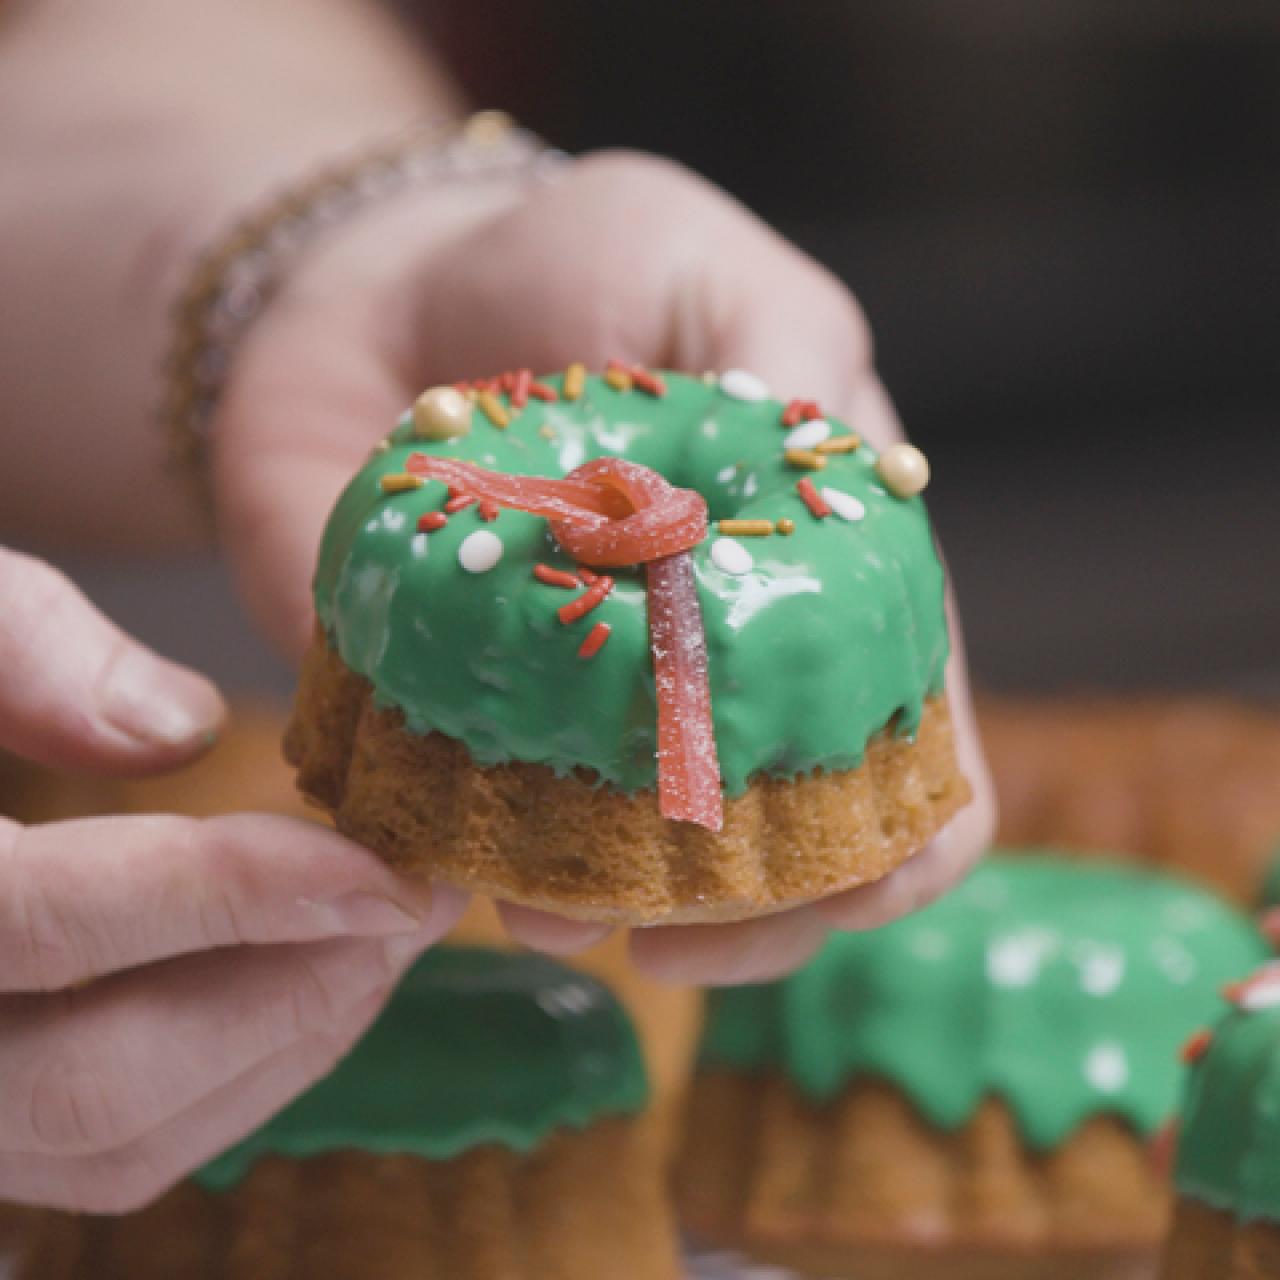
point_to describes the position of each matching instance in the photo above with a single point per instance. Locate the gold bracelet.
(236, 276)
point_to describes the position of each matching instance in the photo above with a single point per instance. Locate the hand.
(165, 983)
(627, 257)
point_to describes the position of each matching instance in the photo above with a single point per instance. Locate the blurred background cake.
(975, 1090)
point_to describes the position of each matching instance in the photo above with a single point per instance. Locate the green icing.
(474, 1047)
(1063, 987)
(1229, 1147)
(836, 631)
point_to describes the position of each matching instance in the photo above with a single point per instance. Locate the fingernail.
(158, 702)
(373, 915)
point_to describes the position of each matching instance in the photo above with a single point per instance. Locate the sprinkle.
(547, 431)
(798, 411)
(520, 388)
(845, 505)
(731, 557)
(805, 459)
(459, 502)
(839, 444)
(575, 379)
(587, 575)
(400, 483)
(541, 391)
(746, 528)
(583, 605)
(904, 470)
(493, 409)
(618, 376)
(556, 577)
(430, 521)
(488, 510)
(506, 381)
(742, 385)
(1197, 1046)
(811, 499)
(647, 381)
(786, 527)
(381, 447)
(595, 640)
(480, 551)
(808, 435)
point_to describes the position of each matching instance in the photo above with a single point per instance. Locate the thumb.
(76, 692)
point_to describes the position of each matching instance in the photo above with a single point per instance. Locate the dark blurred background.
(1063, 219)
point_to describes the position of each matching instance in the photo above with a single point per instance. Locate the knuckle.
(38, 949)
(70, 1109)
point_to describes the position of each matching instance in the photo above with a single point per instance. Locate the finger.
(97, 1068)
(129, 1177)
(951, 854)
(630, 256)
(542, 931)
(728, 954)
(76, 692)
(87, 898)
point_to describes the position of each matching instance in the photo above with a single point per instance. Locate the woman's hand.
(165, 983)
(626, 256)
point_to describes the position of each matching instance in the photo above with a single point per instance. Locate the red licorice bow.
(613, 512)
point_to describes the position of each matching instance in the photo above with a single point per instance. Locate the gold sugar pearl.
(904, 470)
(786, 527)
(400, 482)
(575, 379)
(441, 413)
(804, 459)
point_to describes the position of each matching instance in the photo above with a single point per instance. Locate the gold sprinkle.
(400, 482)
(839, 444)
(746, 528)
(618, 379)
(486, 128)
(575, 379)
(494, 410)
(805, 459)
(786, 527)
(547, 431)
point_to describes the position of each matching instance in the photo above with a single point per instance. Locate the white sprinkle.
(1107, 1068)
(845, 505)
(730, 556)
(742, 385)
(418, 545)
(480, 551)
(1260, 995)
(807, 434)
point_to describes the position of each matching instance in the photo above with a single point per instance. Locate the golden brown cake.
(641, 648)
(979, 1090)
(1186, 783)
(517, 832)
(1226, 1222)
(493, 1125)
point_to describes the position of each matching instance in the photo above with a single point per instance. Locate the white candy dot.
(807, 434)
(845, 505)
(480, 551)
(742, 385)
(730, 556)
(1260, 995)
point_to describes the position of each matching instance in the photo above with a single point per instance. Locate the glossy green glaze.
(1063, 987)
(475, 1046)
(1229, 1144)
(837, 629)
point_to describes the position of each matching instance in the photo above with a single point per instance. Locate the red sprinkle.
(556, 577)
(595, 640)
(430, 521)
(540, 391)
(507, 381)
(812, 499)
(583, 605)
(643, 380)
(587, 575)
(1196, 1047)
(791, 414)
(459, 503)
(521, 382)
(488, 510)
(618, 365)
